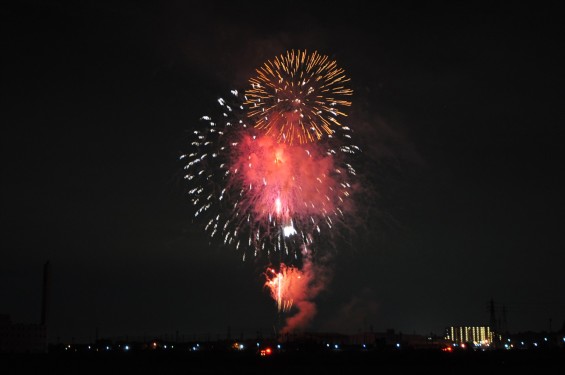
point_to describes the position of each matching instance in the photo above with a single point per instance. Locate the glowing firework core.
(289, 230)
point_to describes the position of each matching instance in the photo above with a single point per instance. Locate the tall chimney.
(46, 290)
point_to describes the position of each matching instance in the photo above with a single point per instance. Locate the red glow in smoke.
(287, 182)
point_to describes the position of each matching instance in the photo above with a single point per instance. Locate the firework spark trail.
(271, 174)
(295, 288)
(281, 284)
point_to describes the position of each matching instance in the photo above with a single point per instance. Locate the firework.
(294, 288)
(271, 175)
(281, 285)
(298, 97)
(262, 196)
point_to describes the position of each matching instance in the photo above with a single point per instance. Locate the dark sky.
(458, 107)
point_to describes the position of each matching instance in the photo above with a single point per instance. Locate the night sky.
(458, 107)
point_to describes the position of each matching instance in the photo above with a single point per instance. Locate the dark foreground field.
(288, 363)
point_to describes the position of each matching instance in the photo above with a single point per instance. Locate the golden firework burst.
(298, 97)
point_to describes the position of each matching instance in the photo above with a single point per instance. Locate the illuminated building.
(480, 336)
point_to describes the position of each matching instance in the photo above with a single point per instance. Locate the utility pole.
(46, 293)
(493, 324)
(504, 321)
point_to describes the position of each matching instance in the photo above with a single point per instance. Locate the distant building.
(5, 332)
(316, 338)
(392, 339)
(368, 340)
(21, 338)
(376, 339)
(478, 335)
(27, 338)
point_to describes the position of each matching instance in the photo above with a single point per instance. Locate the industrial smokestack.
(46, 290)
